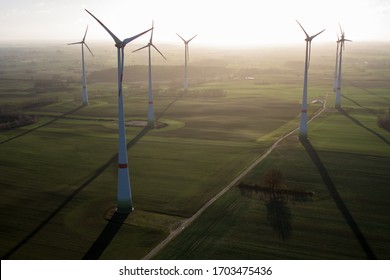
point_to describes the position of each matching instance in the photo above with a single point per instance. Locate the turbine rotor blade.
(85, 34)
(158, 51)
(308, 64)
(128, 40)
(307, 35)
(141, 48)
(88, 48)
(117, 41)
(151, 34)
(191, 38)
(341, 31)
(312, 37)
(181, 38)
(75, 43)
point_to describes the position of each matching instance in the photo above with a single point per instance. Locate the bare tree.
(273, 179)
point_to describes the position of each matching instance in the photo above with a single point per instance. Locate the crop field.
(59, 174)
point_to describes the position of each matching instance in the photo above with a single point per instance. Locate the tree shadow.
(337, 198)
(343, 112)
(278, 212)
(279, 216)
(109, 232)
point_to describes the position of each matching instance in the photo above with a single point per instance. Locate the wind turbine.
(150, 93)
(186, 59)
(82, 43)
(124, 198)
(337, 63)
(338, 90)
(303, 122)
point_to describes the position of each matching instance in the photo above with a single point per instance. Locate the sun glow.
(218, 22)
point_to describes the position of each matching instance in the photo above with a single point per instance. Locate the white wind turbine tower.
(186, 59)
(82, 43)
(150, 92)
(124, 198)
(303, 122)
(337, 63)
(338, 90)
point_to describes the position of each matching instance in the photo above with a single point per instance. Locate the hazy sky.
(218, 22)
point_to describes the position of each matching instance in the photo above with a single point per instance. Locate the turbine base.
(302, 135)
(124, 210)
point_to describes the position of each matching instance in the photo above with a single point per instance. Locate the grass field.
(59, 175)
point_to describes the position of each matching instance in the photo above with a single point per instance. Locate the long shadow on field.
(43, 125)
(337, 198)
(342, 111)
(106, 236)
(368, 91)
(167, 108)
(361, 106)
(90, 179)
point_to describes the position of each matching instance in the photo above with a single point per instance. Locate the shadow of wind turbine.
(338, 199)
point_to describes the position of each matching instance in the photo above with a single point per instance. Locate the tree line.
(10, 121)
(160, 73)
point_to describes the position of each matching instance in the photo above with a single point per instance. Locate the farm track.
(190, 220)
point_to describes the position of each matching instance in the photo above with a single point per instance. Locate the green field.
(59, 180)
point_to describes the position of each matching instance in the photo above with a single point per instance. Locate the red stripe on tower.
(304, 111)
(150, 102)
(122, 165)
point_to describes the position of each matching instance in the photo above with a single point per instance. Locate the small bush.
(384, 121)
